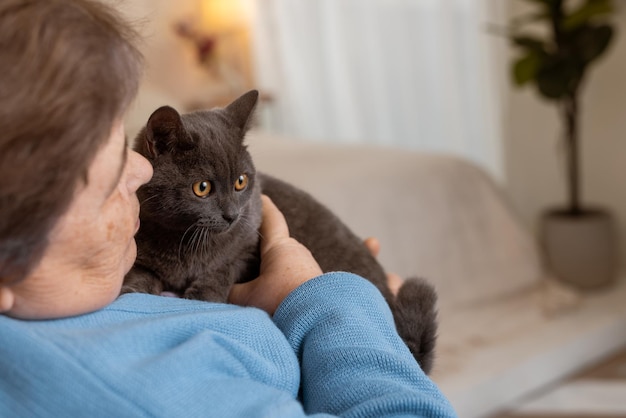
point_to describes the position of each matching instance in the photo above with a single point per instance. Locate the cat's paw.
(135, 288)
(140, 281)
(205, 294)
(127, 289)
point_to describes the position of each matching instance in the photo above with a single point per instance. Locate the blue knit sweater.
(330, 348)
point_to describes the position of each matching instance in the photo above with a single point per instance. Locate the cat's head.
(203, 173)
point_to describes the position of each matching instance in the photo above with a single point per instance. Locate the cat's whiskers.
(245, 221)
(148, 198)
(199, 241)
(199, 250)
(206, 244)
(182, 239)
(200, 244)
(195, 240)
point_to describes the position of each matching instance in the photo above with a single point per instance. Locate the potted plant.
(579, 241)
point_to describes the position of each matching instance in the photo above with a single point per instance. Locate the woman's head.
(68, 208)
(69, 69)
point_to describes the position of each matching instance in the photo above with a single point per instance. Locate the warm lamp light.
(220, 33)
(225, 15)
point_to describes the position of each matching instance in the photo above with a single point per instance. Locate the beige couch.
(506, 329)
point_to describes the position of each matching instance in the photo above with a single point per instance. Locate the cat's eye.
(241, 182)
(202, 188)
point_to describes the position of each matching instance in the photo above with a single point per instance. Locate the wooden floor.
(597, 392)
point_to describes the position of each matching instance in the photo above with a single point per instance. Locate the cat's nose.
(230, 217)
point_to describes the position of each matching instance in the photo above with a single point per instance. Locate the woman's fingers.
(274, 226)
(393, 280)
(285, 264)
(373, 245)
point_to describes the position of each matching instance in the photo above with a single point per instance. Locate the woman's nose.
(140, 171)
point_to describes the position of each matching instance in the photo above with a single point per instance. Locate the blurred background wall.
(424, 75)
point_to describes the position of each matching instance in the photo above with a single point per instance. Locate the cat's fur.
(198, 247)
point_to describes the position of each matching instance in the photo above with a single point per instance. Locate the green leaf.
(557, 65)
(586, 12)
(592, 42)
(528, 42)
(525, 69)
(559, 78)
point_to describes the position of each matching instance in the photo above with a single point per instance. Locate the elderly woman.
(68, 214)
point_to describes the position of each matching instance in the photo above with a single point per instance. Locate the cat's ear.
(165, 132)
(242, 109)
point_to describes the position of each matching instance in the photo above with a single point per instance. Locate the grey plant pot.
(581, 250)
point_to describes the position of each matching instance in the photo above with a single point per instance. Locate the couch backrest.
(439, 217)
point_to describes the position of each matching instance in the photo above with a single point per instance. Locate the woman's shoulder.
(142, 319)
(142, 346)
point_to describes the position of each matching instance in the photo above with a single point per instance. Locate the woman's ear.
(7, 298)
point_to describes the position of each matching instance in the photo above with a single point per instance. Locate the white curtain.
(406, 73)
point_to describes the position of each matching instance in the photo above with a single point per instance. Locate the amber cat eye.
(241, 182)
(202, 188)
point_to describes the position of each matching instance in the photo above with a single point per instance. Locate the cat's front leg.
(214, 287)
(141, 280)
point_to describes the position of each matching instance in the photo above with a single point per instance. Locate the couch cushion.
(439, 217)
(492, 355)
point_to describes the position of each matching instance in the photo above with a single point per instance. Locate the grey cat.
(201, 212)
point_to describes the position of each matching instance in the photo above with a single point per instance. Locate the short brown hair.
(68, 70)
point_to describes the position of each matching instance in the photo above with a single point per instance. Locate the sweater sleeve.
(353, 362)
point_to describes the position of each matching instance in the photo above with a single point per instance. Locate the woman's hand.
(285, 264)
(393, 280)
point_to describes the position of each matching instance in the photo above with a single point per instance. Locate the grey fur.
(199, 247)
